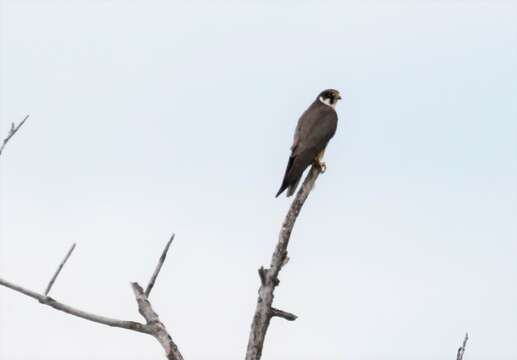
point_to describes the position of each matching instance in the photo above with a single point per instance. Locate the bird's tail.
(282, 188)
(285, 181)
(292, 187)
(293, 174)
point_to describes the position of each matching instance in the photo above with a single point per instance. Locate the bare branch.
(157, 328)
(269, 277)
(59, 268)
(158, 268)
(283, 314)
(461, 349)
(153, 324)
(47, 300)
(145, 309)
(12, 131)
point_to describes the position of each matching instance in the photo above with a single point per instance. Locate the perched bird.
(315, 128)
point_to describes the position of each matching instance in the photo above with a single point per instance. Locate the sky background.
(154, 117)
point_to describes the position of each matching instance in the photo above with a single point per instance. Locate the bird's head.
(329, 97)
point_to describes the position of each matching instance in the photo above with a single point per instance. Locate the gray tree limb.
(12, 131)
(461, 349)
(153, 326)
(269, 277)
(47, 300)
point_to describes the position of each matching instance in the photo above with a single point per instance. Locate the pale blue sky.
(155, 117)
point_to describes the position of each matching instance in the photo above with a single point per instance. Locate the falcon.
(315, 128)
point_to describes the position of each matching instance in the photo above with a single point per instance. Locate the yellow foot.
(322, 166)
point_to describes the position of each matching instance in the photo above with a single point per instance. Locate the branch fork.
(153, 325)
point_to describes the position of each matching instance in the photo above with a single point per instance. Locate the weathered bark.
(269, 277)
(156, 327)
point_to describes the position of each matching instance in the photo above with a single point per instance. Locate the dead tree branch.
(461, 349)
(59, 268)
(269, 277)
(12, 131)
(157, 328)
(47, 300)
(158, 268)
(153, 326)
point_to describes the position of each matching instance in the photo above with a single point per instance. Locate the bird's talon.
(322, 166)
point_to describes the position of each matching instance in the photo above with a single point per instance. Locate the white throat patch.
(327, 102)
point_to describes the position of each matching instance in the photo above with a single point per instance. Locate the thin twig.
(59, 268)
(150, 285)
(269, 277)
(14, 128)
(461, 349)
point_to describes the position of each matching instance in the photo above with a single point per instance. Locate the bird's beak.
(339, 96)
